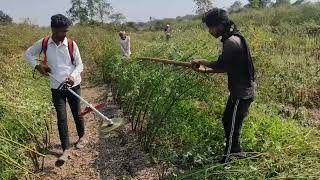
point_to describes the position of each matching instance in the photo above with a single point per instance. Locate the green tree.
(132, 26)
(104, 9)
(118, 18)
(236, 6)
(4, 18)
(259, 3)
(78, 11)
(254, 3)
(203, 6)
(92, 8)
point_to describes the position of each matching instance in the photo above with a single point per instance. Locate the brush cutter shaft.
(166, 61)
(84, 101)
(88, 104)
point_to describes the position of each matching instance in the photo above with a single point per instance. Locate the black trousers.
(59, 98)
(234, 114)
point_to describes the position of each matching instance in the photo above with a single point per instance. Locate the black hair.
(59, 20)
(216, 17)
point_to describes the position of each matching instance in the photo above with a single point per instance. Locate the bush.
(4, 18)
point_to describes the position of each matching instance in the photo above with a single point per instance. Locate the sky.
(40, 11)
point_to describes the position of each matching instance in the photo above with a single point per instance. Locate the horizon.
(39, 14)
(36, 13)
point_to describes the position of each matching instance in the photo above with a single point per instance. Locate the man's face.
(122, 36)
(60, 33)
(216, 31)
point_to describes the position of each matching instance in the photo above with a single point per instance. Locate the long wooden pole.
(167, 61)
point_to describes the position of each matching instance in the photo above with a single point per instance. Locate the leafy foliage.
(203, 6)
(4, 18)
(176, 112)
(93, 10)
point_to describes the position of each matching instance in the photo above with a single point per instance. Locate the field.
(177, 112)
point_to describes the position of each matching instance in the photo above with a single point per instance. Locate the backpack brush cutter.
(112, 124)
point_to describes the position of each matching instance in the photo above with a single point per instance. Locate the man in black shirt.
(236, 61)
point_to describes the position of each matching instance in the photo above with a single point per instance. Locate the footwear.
(235, 147)
(81, 143)
(62, 159)
(223, 160)
(239, 155)
(235, 151)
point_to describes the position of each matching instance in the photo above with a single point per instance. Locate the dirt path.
(115, 155)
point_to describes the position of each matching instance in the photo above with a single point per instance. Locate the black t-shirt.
(234, 59)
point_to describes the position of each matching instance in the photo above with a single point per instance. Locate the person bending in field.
(167, 32)
(236, 61)
(64, 64)
(125, 44)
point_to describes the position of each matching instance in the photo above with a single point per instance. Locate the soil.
(107, 155)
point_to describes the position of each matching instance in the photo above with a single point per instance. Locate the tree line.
(204, 5)
(86, 11)
(101, 11)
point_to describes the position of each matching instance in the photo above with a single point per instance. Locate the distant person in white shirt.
(63, 62)
(167, 32)
(125, 44)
